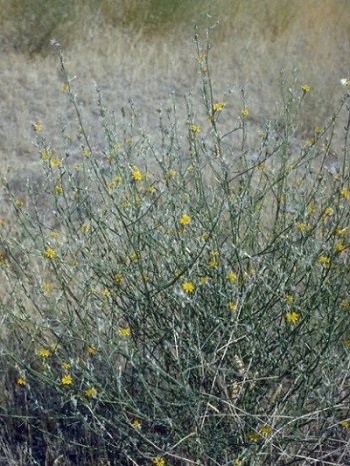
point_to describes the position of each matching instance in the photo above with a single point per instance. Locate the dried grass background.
(143, 51)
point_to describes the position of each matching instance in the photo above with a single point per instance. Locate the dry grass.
(253, 42)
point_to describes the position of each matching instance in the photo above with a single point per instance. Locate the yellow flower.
(253, 437)
(204, 280)
(21, 381)
(171, 173)
(213, 263)
(134, 256)
(136, 174)
(85, 228)
(185, 219)
(152, 189)
(136, 424)
(301, 226)
(292, 317)
(66, 379)
(265, 430)
(232, 306)
(289, 298)
(188, 287)
(37, 127)
(58, 189)
(50, 253)
(90, 392)
(232, 276)
(306, 88)
(202, 57)
(47, 287)
(311, 208)
(86, 152)
(347, 342)
(66, 365)
(105, 292)
(44, 353)
(218, 107)
(245, 112)
(345, 424)
(124, 331)
(46, 154)
(91, 350)
(159, 461)
(195, 129)
(328, 211)
(345, 193)
(324, 260)
(20, 202)
(65, 86)
(339, 246)
(55, 162)
(345, 304)
(118, 277)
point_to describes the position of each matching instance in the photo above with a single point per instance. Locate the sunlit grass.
(180, 299)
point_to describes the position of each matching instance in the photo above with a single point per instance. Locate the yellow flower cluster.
(188, 287)
(136, 174)
(90, 392)
(292, 317)
(185, 219)
(50, 253)
(218, 107)
(195, 129)
(159, 461)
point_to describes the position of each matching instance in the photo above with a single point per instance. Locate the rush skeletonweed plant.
(180, 298)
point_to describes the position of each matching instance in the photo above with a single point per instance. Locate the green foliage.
(182, 299)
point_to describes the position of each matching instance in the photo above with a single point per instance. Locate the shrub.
(183, 299)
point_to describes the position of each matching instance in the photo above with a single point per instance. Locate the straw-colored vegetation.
(174, 270)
